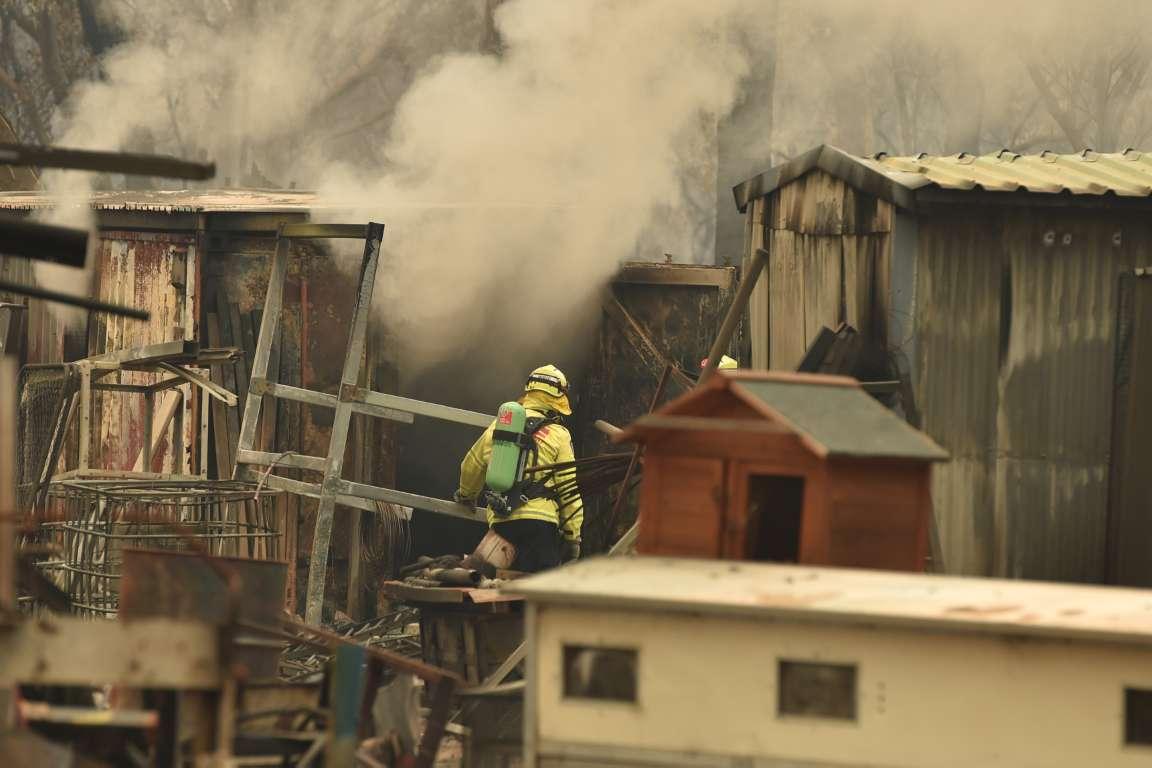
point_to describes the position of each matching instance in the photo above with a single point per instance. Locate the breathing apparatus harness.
(513, 451)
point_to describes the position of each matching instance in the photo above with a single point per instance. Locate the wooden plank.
(270, 327)
(219, 410)
(400, 591)
(9, 461)
(156, 429)
(243, 364)
(301, 488)
(204, 408)
(645, 273)
(786, 301)
(232, 377)
(286, 514)
(268, 458)
(354, 597)
(353, 359)
(187, 375)
(758, 309)
(178, 436)
(269, 421)
(822, 285)
(414, 500)
(326, 231)
(144, 461)
(381, 403)
(85, 416)
(292, 412)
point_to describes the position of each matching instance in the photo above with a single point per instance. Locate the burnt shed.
(198, 260)
(798, 468)
(1010, 293)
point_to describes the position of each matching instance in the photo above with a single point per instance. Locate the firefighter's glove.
(571, 551)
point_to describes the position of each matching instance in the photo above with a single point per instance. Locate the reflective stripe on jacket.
(554, 446)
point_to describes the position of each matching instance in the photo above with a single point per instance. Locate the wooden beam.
(218, 392)
(334, 467)
(155, 431)
(735, 312)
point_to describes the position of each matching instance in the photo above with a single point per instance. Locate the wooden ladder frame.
(256, 465)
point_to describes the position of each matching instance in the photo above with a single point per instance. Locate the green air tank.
(504, 467)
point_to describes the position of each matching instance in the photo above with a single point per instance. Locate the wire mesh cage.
(103, 518)
(45, 394)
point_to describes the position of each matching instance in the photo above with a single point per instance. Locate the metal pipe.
(608, 429)
(735, 310)
(36, 292)
(129, 163)
(618, 506)
(9, 375)
(43, 242)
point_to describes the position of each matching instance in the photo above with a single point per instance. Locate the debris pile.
(397, 632)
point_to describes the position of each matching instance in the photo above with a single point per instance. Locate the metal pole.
(36, 292)
(43, 242)
(129, 163)
(334, 464)
(9, 373)
(622, 496)
(735, 310)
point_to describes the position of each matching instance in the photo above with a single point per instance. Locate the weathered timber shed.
(1011, 292)
(199, 261)
(652, 661)
(794, 468)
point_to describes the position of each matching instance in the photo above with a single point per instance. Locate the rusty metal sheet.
(185, 585)
(182, 585)
(147, 270)
(144, 653)
(679, 309)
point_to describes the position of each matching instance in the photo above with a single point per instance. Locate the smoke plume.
(518, 156)
(518, 182)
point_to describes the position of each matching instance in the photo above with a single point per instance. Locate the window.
(604, 674)
(807, 689)
(775, 510)
(1138, 716)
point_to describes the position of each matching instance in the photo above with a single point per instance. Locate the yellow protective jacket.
(554, 446)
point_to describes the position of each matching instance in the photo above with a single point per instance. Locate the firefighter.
(542, 516)
(726, 364)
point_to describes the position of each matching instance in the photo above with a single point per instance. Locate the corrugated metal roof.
(175, 201)
(1124, 174)
(845, 420)
(847, 596)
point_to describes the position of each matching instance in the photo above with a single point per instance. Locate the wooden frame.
(256, 465)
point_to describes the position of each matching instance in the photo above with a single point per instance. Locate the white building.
(654, 662)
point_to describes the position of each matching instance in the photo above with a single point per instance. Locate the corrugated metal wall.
(1015, 321)
(1011, 352)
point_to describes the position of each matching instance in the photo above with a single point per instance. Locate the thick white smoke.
(512, 182)
(517, 183)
